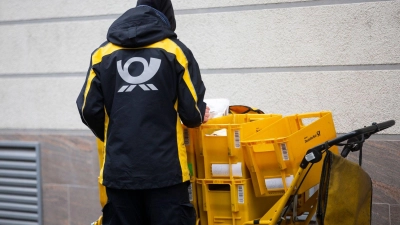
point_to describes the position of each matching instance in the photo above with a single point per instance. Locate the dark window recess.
(20, 184)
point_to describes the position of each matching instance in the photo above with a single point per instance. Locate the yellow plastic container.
(219, 153)
(274, 154)
(229, 201)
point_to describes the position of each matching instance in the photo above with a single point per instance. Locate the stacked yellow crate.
(285, 144)
(273, 156)
(242, 164)
(223, 183)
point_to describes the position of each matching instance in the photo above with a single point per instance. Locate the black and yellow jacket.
(140, 85)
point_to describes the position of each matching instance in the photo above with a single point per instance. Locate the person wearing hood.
(142, 85)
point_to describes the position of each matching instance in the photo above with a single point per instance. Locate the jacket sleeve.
(90, 103)
(191, 105)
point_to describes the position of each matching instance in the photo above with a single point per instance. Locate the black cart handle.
(315, 154)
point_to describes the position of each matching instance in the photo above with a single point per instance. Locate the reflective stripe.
(96, 58)
(180, 142)
(106, 121)
(108, 49)
(102, 189)
(92, 75)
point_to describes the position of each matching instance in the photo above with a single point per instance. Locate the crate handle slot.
(310, 115)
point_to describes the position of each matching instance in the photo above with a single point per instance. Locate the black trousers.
(162, 206)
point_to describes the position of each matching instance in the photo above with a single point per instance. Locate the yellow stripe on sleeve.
(103, 156)
(97, 58)
(182, 154)
(102, 188)
(171, 47)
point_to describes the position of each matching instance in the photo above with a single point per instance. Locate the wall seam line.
(223, 9)
(86, 132)
(294, 69)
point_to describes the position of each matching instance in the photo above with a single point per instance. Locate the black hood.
(164, 6)
(139, 27)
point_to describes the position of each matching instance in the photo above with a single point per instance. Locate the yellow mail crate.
(219, 153)
(226, 201)
(273, 155)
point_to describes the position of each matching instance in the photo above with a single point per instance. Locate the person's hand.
(206, 115)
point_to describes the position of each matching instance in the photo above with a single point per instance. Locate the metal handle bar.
(315, 154)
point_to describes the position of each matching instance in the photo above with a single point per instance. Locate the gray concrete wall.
(299, 56)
